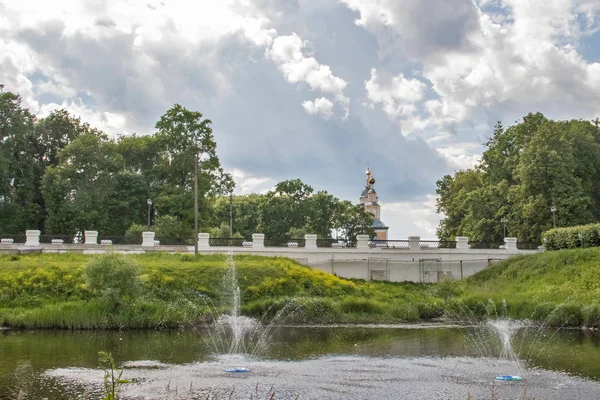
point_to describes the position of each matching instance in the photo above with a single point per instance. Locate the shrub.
(361, 305)
(135, 230)
(404, 311)
(448, 289)
(431, 309)
(592, 316)
(568, 238)
(543, 311)
(566, 315)
(113, 278)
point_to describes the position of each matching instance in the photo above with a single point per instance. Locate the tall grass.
(55, 291)
(560, 288)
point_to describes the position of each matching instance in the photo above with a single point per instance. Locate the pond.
(425, 361)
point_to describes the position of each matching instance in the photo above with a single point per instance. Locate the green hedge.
(568, 238)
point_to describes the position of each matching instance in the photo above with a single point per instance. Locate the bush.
(361, 305)
(404, 311)
(135, 230)
(113, 278)
(568, 238)
(430, 310)
(566, 315)
(592, 316)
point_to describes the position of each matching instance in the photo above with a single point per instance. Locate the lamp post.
(231, 214)
(553, 211)
(196, 202)
(504, 222)
(149, 201)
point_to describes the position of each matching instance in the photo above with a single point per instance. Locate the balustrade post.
(462, 243)
(203, 240)
(148, 239)
(91, 237)
(362, 242)
(510, 243)
(311, 241)
(258, 240)
(414, 243)
(32, 238)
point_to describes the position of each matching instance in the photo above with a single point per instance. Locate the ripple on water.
(339, 377)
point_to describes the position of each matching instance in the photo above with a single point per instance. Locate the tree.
(352, 220)
(284, 208)
(525, 170)
(194, 168)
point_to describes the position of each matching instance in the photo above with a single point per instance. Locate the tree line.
(62, 176)
(533, 175)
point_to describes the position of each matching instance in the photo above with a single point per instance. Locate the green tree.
(19, 202)
(185, 135)
(525, 170)
(352, 220)
(284, 208)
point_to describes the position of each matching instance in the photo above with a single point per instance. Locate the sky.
(314, 89)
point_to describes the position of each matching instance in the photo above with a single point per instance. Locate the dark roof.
(378, 224)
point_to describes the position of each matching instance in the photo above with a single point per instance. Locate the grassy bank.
(560, 288)
(51, 291)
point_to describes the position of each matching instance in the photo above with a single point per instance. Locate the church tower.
(369, 201)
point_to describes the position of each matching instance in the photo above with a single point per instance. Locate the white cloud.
(143, 41)
(287, 53)
(397, 96)
(527, 61)
(411, 218)
(246, 183)
(321, 106)
(108, 122)
(461, 155)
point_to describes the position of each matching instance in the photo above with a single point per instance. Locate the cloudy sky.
(314, 89)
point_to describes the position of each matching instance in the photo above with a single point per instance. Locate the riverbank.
(177, 290)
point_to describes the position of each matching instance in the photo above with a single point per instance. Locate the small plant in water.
(112, 376)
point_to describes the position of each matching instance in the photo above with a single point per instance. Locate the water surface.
(414, 361)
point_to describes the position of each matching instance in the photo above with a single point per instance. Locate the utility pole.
(196, 203)
(231, 214)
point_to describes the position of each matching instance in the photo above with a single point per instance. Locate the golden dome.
(372, 181)
(368, 172)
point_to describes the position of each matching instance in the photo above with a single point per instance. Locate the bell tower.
(369, 201)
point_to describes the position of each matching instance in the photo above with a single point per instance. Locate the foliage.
(112, 376)
(62, 176)
(572, 237)
(223, 232)
(49, 290)
(558, 288)
(114, 278)
(136, 230)
(525, 170)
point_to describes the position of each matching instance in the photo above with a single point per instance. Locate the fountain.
(413, 361)
(234, 334)
(505, 329)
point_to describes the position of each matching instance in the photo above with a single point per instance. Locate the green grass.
(49, 291)
(558, 287)
(561, 288)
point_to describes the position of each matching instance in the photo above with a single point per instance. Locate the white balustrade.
(32, 238)
(258, 240)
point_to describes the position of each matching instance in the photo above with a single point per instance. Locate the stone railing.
(309, 242)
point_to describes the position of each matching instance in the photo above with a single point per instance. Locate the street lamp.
(504, 222)
(231, 214)
(149, 201)
(553, 211)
